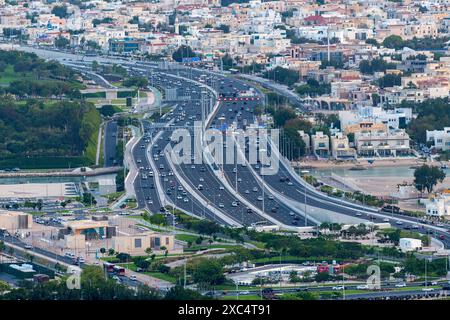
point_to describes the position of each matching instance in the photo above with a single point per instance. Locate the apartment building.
(393, 143)
(340, 147)
(320, 143)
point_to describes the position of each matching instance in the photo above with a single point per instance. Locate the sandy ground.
(387, 186)
(314, 164)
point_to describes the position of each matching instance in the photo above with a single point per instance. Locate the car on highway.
(338, 288)
(399, 222)
(28, 246)
(400, 285)
(362, 287)
(133, 277)
(244, 292)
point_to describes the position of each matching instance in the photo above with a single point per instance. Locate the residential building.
(439, 138)
(391, 143)
(320, 143)
(410, 244)
(438, 206)
(340, 148)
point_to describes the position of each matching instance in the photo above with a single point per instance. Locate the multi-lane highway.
(230, 194)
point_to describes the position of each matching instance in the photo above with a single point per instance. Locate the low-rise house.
(410, 244)
(439, 138)
(438, 206)
(137, 244)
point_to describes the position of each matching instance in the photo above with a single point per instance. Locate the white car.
(427, 289)
(400, 285)
(385, 220)
(234, 204)
(338, 288)
(244, 292)
(362, 287)
(221, 205)
(28, 246)
(133, 278)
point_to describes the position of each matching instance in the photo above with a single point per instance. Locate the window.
(138, 243)
(167, 240)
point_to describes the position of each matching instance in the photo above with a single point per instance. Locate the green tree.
(282, 75)
(282, 115)
(62, 42)
(60, 11)
(208, 271)
(4, 286)
(393, 42)
(179, 293)
(427, 177)
(183, 52)
(390, 80)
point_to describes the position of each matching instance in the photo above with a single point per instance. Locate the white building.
(395, 119)
(440, 138)
(410, 244)
(393, 143)
(438, 206)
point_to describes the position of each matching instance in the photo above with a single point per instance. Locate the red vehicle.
(442, 237)
(120, 271)
(109, 267)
